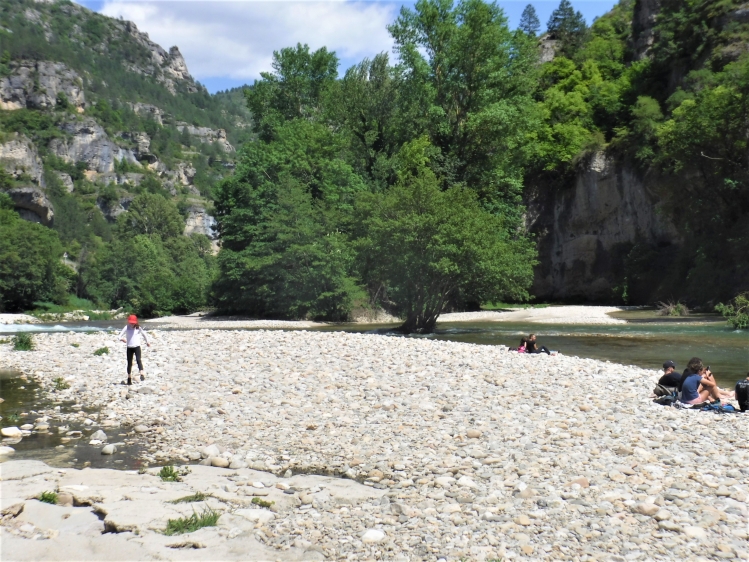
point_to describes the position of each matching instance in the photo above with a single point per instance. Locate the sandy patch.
(550, 315)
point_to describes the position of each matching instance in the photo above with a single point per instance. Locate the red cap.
(132, 319)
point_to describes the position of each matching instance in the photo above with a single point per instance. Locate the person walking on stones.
(133, 335)
(533, 348)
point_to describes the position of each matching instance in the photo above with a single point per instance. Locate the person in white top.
(133, 335)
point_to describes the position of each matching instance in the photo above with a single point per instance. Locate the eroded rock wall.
(584, 229)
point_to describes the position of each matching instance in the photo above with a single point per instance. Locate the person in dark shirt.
(671, 376)
(533, 348)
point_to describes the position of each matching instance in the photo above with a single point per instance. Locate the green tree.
(428, 246)
(529, 22)
(473, 81)
(568, 27)
(151, 214)
(294, 89)
(30, 266)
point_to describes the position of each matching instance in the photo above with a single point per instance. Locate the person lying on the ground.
(671, 376)
(700, 386)
(533, 348)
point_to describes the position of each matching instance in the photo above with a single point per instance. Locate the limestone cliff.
(585, 229)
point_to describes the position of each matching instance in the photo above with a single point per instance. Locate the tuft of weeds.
(48, 497)
(23, 342)
(672, 308)
(169, 474)
(75, 344)
(4, 340)
(262, 503)
(101, 351)
(61, 383)
(196, 497)
(13, 418)
(207, 518)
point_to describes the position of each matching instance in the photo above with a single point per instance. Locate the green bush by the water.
(23, 342)
(736, 312)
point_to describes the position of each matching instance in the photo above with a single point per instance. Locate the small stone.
(140, 429)
(13, 432)
(473, 433)
(669, 526)
(219, 462)
(467, 482)
(99, 435)
(693, 532)
(582, 482)
(282, 485)
(41, 427)
(236, 390)
(109, 450)
(586, 408)
(27, 427)
(523, 520)
(648, 509)
(527, 549)
(526, 493)
(373, 536)
(64, 499)
(662, 515)
(210, 451)
(7, 451)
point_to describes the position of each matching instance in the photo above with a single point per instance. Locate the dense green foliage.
(400, 185)
(30, 267)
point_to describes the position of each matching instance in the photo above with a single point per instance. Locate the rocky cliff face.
(40, 85)
(584, 230)
(19, 158)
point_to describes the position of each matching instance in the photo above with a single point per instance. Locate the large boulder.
(32, 204)
(18, 156)
(38, 85)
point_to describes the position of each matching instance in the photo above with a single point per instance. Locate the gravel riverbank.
(469, 451)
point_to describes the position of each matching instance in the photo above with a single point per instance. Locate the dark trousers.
(542, 349)
(130, 352)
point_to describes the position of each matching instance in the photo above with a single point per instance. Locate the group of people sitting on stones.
(695, 385)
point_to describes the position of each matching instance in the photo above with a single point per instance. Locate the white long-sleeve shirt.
(134, 336)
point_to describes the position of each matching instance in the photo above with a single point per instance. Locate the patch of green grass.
(13, 418)
(169, 474)
(23, 342)
(75, 344)
(262, 503)
(196, 497)
(101, 351)
(61, 383)
(207, 518)
(48, 497)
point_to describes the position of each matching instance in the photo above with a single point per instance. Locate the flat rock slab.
(16, 470)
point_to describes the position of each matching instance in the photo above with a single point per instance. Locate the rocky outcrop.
(40, 85)
(32, 204)
(207, 135)
(198, 221)
(148, 110)
(19, 157)
(167, 68)
(89, 143)
(548, 48)
(643, 22)
(582, 228)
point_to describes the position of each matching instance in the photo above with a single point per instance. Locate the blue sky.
(228, 43)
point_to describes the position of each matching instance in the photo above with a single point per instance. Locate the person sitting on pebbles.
(531, 346)
(698, 384)
(133, 335)
(671, 376)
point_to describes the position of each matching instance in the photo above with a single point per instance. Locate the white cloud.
(237, 39)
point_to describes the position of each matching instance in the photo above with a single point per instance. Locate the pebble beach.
(379, 447)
